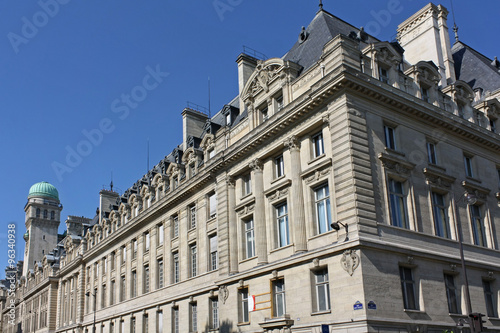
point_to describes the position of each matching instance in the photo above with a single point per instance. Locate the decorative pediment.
(245, 208)
(278, 191)
(208, 141)
(438, 179)
(175, 169)
(480, 192)
(491, 108)
(425, 72)
(384, 52)
(396, 164)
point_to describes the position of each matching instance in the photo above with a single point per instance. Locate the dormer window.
(264, 114)
(383, 75)
(425, 94)
(228, 119)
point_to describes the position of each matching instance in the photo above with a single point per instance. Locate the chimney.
(192, 125)
(246, 66)
(425, 36)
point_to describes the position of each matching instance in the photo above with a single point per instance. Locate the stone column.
(259, 215)
(232, 221)
(297, 196)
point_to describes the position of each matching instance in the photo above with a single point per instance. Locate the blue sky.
(69, 66)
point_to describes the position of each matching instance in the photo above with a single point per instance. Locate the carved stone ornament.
(350, 261)
(230, 181)
(395, 164)
(246, 209)
(223, 294)
(356, 113)
(316, 262)
(317, 175)
(256, 165)
(292, 142)
(278, 194)
(438, 179)
(326, 118)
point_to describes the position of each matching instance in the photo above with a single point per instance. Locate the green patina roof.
(43, 189)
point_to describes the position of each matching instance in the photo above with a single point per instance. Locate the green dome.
(43, 189)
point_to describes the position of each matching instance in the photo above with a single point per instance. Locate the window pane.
(397, 199)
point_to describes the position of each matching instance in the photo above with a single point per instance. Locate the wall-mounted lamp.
(336, 227)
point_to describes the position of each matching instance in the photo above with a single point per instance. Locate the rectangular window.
(490, 299)
(132, 325)
(175, 268)
(278, 297)
(469, 172)
(493, 126)
(160, 273)
(133, 284)
(192, 217)
(279, 102)
(282, 225)
(124, 255)
(212, 199)
(383, 75)
(146, 242)
(161, 234)
(318, 147)
(249, 238)
(264, 114)
(103, 296)
(279, 164)
(477, 221)
(322, 290)
(175, 320)
(399, 210)
(112, 293)
(122, 288)
(498, 172)
(408, 288)
(175, 222)
(243, 316)
(323, 212)
(440, 212)
(112, 260)
(193, 317)
(390, 137)
(247, 184)
(214, 313)
(425, 94)
(159, 321)
(214, 257)
(146, 279)
(134, 248)
(431, 153)
(451, 293)
(145, 323)
(193, 255)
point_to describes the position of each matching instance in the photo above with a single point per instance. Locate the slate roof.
(474, 68)
(323, 28)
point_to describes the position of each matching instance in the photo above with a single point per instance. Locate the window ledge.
(321, 312)
(316, 158)
(413, 311)
(243, 324)
(281, 248)
(277, 179)
(394, 151)
(458, 315)
(473, 179)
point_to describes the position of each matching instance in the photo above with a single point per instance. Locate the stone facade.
(241, 215)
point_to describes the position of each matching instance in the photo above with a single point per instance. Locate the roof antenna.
(455, 27)
(111, 184)
(149, 181)
(209, 111)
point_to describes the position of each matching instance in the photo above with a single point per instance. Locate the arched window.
(52, 215)
(45, 213)
(38, 212)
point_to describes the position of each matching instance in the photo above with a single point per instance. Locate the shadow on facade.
(226, 326)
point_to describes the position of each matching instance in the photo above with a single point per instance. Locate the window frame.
(489, 299)
(327, 211)
(468, 166)
(243, 310)
(318, 144)
(402, 198)
(278, 297)
(390, 137)
(214, 313)
(160, 267)
(452, 294)
(249, 236)
(432, 153)
(213, 262)
(478, 226)
(246, 185)
(282, 219)
(317, 289)
(409, 295)
(440, 211)
(279, 166)
(193, 260)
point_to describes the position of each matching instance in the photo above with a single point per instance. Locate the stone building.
(328, 196)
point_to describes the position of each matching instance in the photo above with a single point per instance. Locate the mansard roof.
(474, 68)
(323, 28)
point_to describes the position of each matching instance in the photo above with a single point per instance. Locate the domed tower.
(43, 216)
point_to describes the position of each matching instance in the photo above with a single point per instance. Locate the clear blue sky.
(65, 70)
